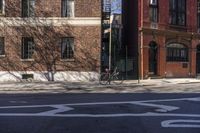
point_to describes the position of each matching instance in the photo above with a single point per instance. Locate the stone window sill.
(2, 56)
(68, 60)
(27, 60)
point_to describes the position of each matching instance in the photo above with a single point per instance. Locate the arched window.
(177, 52)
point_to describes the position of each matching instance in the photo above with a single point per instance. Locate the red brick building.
(41, 39)
(167, 36)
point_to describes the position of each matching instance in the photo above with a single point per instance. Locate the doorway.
(198, 60)
(153, 58)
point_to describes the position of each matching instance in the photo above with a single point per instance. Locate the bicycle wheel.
(104, 79)
(118, 79)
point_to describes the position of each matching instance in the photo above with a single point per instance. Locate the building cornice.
(161, 32)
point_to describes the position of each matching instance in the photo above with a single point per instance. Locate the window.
(177, 52)
(198, 14)
(2, 4)
(67, 8)
(154, 11)
(28, 47)
(177, 12)
(67, 48)
(153, 2)
(28, 8)
(2, 51)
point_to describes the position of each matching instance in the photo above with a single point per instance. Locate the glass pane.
(1, 46)
(25, 8)
(67, 48)
(31, 8)
(27, 48)
(64, 8)
(1, 6)
(70, 8)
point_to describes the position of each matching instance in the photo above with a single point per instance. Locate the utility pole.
(110, 43)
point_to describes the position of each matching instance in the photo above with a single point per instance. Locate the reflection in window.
(67, 48)
(177, 12)
(154, 11)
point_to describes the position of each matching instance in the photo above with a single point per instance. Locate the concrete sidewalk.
(184, 85)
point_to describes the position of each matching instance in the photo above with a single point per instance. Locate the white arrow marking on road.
(59, 109)
(100, 103)
(162, 108)
(197, 99)
(181, 123)
(64, 107)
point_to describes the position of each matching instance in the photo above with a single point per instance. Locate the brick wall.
(52, 8)
(87, 37)
(163, 35)
(87, 48)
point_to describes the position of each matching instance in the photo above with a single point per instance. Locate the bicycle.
(107, 77)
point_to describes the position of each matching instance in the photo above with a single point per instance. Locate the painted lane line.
(99, 103)
(148, 114)
(197, 99)
(181, 123)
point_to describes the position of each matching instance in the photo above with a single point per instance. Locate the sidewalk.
(185, 85)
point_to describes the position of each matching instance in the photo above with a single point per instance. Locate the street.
(100, 113)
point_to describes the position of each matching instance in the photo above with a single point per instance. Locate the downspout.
(141, 69)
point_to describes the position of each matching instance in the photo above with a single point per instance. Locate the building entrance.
(198, 60)
(152, 58)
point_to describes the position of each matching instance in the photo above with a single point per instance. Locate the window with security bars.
(67, 48)
(177, 12)
(177, 52)
(198, 14)
(67, 8)
(28, 47)
(153, 11)
(28, 8)
(2, 50)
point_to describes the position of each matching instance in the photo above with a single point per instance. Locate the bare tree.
(47, 56)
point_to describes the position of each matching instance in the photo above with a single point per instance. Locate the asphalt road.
(100, 113)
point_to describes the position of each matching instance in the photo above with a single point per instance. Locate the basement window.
(27, 76)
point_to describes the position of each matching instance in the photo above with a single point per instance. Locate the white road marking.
(181, 123)
(148, 114)
(59, 108)
(162, 108)
(17, 101)
(101, 103)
